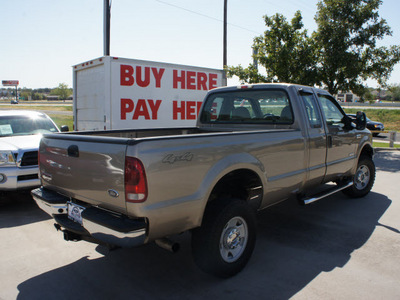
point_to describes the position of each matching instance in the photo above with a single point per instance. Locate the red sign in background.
(10, 82)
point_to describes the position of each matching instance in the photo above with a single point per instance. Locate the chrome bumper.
(51, 209)
(14, 178)
(98, 224)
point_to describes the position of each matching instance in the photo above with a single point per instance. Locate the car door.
(341, 141)
(316, 137)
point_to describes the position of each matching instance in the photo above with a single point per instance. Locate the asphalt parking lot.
(337, 248)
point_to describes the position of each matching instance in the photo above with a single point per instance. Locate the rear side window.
(248, 107)
(312, 110)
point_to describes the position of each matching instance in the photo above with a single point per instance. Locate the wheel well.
(367, 151)
(240, 184)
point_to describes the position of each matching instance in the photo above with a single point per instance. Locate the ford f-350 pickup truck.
(253, 146)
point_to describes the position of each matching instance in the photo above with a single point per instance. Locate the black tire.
(363, 178)
(223, 245)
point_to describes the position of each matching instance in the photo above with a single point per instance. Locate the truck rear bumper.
(98, 225)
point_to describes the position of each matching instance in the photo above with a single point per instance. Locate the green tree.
(24, 95)
(394, 90)
(339, 56)
(62, 91)
(285, 51)
(36, 96)
(368, 94)
(346, 36)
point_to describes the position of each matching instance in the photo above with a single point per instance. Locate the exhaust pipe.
(167, 244)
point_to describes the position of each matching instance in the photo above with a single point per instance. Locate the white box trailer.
(121, 93)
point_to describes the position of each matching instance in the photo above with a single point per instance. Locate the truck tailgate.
(86, 169)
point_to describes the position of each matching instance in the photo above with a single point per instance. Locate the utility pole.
(225, 34)
(224, 59)
(106, 23)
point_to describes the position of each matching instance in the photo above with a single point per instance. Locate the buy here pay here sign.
(157, 95)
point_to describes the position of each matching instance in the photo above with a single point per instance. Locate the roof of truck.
(263, 85)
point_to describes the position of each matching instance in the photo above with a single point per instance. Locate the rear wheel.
(363, 179)
(223, 245)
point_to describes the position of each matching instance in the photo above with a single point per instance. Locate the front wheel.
(363, 179)
(223, 245)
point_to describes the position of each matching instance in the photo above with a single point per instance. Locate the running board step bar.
(324, 194)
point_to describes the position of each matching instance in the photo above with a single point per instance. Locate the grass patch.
(384, 145)
(36, 107)
(389, 117)
(61, 120)
(51, 111)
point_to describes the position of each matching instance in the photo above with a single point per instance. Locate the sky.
(41, 40)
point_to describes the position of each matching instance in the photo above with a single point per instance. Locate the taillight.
(135, 180)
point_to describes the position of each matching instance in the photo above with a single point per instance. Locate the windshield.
(24, 125)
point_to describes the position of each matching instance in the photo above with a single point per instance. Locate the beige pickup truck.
(253, 146)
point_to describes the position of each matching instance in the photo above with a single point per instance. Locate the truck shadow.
(18, 209)
(295, 244)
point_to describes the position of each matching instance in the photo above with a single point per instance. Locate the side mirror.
(347, 123)
(361, 120)
(64, 128)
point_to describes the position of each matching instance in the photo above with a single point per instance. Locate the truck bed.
(86, 165)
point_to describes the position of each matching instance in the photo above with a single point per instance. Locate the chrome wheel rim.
(362, 177)
(233, 239)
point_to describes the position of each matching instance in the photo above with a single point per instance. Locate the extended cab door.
(316, 137)
(341, 141)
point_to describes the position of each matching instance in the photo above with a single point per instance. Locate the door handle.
(330, 141)
(73, 151)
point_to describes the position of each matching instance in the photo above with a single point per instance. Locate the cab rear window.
(248, 107)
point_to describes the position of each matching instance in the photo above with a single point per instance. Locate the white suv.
(20, 134)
